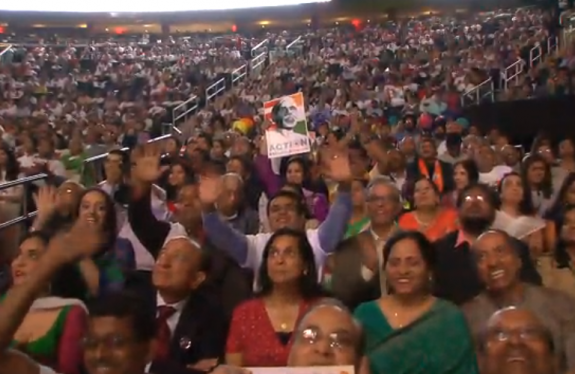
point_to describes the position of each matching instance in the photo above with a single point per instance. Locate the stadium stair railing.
(93, 171)
(487, 90)
(26, 182)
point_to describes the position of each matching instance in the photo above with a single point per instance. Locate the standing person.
(402, 327)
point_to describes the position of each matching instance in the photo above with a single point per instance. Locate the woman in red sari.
(261, 329)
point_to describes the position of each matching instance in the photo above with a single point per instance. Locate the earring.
(305, 272)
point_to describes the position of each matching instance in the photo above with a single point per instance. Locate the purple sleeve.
(320, 207)
(70, 350)
(271, 181)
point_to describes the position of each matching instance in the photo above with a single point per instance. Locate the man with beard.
(456, 273)
(515, 341)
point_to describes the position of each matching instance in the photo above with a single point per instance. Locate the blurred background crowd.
(144, 229)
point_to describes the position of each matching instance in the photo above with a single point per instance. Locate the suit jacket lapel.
(184, 333)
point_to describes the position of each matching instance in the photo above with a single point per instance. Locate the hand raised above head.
(209, 190)
(46, 200)
(338, 167)
(146, 163)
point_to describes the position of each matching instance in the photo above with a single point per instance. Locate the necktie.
(163, 334)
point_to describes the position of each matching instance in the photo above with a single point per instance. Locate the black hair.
(526, 207)
(409, 189)
(546, 186)
(246, 165)
(126, 305)
(562, 258)
(296, 160)
(470, 168)
(12, 168)
(428, 252)
(300, 204)
(308, 285)
(110, 225)
(189, 178)
(44, 237)
(556, 209)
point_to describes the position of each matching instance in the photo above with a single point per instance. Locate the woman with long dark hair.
(536, 171)
(261, 329)
(516, 214)
(104, 271)
(557, 271)
(53, 326)
(402, 327)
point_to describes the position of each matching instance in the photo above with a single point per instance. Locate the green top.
(44, 348)
(438, 342)
(355, 228)
(74, 163)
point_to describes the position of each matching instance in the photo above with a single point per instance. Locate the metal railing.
(92, 171)
(215, 89)
(512, 72)
(260, 48)
(26, 215)
(552, 45)
(535, 55)
(239, 73)
(6, 54)
(186, 108)
(476, 95)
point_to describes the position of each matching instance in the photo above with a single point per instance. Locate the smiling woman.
(108, 6)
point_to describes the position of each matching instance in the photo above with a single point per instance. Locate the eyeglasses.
(524, 334)
(471, 198)
(381, 199)
(337, 340)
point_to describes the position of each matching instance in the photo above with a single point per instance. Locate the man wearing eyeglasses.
(327, 335)
(516, 342)
(456, 277)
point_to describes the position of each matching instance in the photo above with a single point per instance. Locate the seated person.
(53, 327)
(498, 266)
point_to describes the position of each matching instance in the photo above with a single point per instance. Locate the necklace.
(283, 326)
(424, 223)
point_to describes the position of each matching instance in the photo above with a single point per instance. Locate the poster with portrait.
(288, 133)
(303, 370)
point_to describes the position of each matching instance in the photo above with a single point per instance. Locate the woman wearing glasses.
(409, 330)
(261, 329)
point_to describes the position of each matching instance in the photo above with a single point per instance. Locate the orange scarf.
(437, 173)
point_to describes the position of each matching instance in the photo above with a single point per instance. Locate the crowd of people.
(406, 241)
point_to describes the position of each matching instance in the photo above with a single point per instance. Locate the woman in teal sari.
(409, 331)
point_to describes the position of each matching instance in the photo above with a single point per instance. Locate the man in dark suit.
(192, 326)
(427, 165)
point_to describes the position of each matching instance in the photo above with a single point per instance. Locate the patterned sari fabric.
(438, 342)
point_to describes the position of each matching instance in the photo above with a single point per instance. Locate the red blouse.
(253, 336)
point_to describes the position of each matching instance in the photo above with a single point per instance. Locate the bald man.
(515, 341)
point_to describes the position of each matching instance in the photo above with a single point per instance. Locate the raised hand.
(146, 163)
(83, 240)
(338, 167)
(46, 200)
(209, 190)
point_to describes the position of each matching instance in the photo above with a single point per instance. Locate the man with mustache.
(516, 342)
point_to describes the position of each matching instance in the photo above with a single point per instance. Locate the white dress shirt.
(174, 318)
